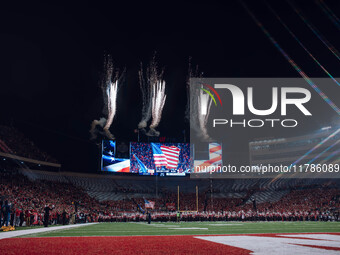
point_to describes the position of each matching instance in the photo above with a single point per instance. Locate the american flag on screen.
(158, 156)
(167, 156)
(171, 154)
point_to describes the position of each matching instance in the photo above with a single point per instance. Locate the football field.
(194, 228)
(178, 238)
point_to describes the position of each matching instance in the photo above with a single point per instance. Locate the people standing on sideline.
(7, 213)
(149, 217)
(47, 210)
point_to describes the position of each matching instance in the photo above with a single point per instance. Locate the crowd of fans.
(24, 202)
(318, 204)
(14, 142)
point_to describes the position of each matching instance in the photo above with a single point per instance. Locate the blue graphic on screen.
(110, 162)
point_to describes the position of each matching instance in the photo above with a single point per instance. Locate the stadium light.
(326, 128)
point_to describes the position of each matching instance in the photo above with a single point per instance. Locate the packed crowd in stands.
(27, 199)
(24, 201)
(12, 141)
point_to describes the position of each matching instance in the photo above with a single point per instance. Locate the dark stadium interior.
(55, 171)
(52, 60)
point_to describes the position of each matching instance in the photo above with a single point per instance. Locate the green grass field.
(193, 228)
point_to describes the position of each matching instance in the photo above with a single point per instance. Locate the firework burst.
(153, 95)
(109, 85)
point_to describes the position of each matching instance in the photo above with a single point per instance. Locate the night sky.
(52, 58)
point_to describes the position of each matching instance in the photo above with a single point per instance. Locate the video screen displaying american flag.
(110, 162)
(160, 158)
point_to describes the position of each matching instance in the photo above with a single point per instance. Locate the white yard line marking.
(226, 224)
(10, 234)
(189, 228)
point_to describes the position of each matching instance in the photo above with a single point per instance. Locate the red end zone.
(115, 245)
(171, 244)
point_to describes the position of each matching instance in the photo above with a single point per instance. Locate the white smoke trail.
(109, 87)
(198, 107)
(158, 101)
(95, 123)
(200, 104)
(145, 87)
(153, 95)
(111, 93)
(204, 103)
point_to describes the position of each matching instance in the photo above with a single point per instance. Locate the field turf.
(193, 228)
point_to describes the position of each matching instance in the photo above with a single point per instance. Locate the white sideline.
(16, 233)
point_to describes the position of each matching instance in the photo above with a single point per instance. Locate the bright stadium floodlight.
(326, 128)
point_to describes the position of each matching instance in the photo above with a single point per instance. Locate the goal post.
(178, 200)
